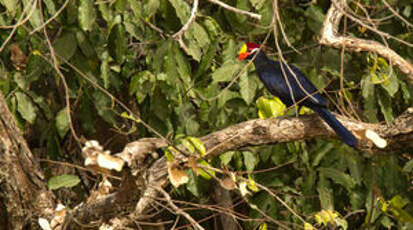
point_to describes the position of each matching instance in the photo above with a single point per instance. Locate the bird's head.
(248, 50)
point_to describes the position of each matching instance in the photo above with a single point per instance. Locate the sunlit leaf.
(205, 173)
(63, 181)
(270, 107)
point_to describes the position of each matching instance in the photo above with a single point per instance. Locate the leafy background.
(126, 48)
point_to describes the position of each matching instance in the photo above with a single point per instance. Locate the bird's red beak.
(243, 53)
(242, 56)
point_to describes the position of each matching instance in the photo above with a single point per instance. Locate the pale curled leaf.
(177, 176)
(44, 224)
(243, 188)
(376, 139)
(110, 162)
(228, 183)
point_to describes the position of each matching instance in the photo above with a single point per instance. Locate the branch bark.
(331, 37)
(399, 135)
(24, 193)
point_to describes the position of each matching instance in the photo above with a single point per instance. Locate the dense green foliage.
(126, 47)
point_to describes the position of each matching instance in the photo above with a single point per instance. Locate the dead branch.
(330, 37)
(399, 135)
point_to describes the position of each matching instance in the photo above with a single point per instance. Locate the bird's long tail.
(332, 121)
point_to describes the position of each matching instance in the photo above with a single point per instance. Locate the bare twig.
(397, 14)
(178, 210)
(20, 22)
(178, 35)
(233, 9)
(330, 37)
(65, 86)
(52, 18)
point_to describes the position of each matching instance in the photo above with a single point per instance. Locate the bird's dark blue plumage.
(297, 90)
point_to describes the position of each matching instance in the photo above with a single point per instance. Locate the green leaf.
(194, 50)
(104, 69)
(204, 173)
(226, 157)
(84, 44)
(51, 7)
(168, 154)
(258, 4)
(405, 91)
(182, 10)
(11, 5)
(315, 18)
(198, 33)
(370, 109)
(339, 177)
(199, 146)
(408, 167)
(355, 166)
(325, 194)
(270, 107)
(250, 160)
(26, 108)
(192, 184)
(248, 87)
(230, 52)
(188, 145)
(65, 46)
(386, 107)
(36, 17)
(226, 96)
(63, 181)
(149, 8)
(183, 66)
(118, 43)
(391, 85)
(206, 59)
(62, 122)
(225, 73)
(87, 14)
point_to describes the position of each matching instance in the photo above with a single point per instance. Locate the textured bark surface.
(23, 191)
(399, 135)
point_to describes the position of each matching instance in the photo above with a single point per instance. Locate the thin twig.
(52, 18)
(178, 35)
(178, 210)
(19, 23)
(65, 86)
(236, 10)
(396, 14)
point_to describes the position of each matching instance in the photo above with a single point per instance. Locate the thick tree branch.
(330, 37)
(399, 135)
(23, 190)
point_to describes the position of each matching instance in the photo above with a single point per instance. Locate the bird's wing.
(303, 88)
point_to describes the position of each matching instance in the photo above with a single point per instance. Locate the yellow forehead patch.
(243, 49)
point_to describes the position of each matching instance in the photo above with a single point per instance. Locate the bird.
(288, 83)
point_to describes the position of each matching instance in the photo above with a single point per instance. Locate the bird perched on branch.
(290, 85)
